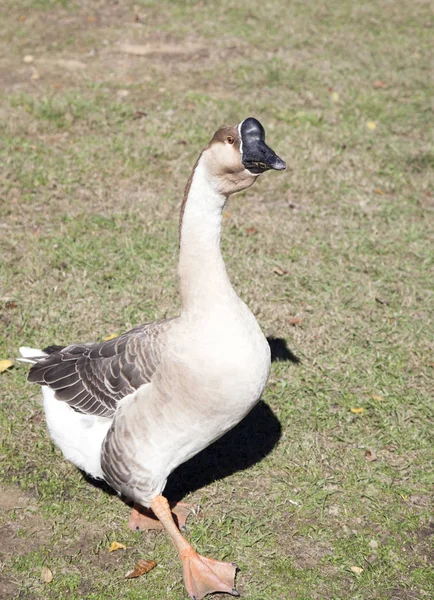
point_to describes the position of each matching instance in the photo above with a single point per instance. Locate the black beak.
(257, 157)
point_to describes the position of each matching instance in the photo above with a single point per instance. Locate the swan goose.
(130, 410)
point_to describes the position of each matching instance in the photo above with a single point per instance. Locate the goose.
(131, 409)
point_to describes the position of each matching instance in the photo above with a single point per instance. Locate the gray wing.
(92, 378)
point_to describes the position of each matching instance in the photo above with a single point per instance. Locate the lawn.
(325, 490)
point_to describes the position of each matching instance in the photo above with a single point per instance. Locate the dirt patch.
(306, 553)
(402, 594)
(26, 520)
(426, 532)
(23, 531)
(12, 497)
(9, 590)
(11, 541)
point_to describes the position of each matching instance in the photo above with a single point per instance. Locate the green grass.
(95, 159)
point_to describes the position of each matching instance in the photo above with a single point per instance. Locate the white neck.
(202, 272)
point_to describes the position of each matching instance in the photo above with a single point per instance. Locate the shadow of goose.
(280, 351)
(245, 445)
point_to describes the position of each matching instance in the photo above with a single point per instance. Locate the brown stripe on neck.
(219, 136)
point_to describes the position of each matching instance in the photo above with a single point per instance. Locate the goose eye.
(230, 139)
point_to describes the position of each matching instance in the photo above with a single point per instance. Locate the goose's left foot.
(204, 575)
(144, 519)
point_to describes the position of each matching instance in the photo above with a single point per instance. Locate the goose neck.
(201, 269)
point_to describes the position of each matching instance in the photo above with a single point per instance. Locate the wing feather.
(93, 378)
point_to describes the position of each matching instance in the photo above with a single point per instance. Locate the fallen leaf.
(381, 300)
(28, 58)
(279, 271)
(141, 113)
(379, 84)
(390, 448)
(46, 575)
(370, 455)
(371, 125)
(142, 567)
(111, 336)
(358, 410)
(227, 214)
(36, 417)
(356, 570)
(5, 364)
(378, 398)
(251, 230)
(379, 192)
(335, 97)
(294, 321)
(116, 546)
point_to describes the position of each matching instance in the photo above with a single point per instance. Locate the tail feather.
(31, 355)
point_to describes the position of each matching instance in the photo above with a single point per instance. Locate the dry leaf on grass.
(371, 125)
(379, 84)
(378, 398)
(111, 336)
(46, 575)
(116, 546)
(5, 364)
(370, 455)
(294, 321)
(251, 230)
(356, 570)
(142, 567)
(357, 410)
(279, 271)
(139, 114)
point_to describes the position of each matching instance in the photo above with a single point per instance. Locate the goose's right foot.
(144, 519)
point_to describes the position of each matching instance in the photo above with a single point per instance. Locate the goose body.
(131, 410)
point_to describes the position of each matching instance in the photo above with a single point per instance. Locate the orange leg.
(144, 519)
(202, 575)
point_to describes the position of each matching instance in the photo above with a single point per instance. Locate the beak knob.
(257, 157)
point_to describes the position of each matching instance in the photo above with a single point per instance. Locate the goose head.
(237, 155)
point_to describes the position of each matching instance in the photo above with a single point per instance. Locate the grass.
(96, 147)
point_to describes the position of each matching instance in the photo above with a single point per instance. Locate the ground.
(323, 492)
